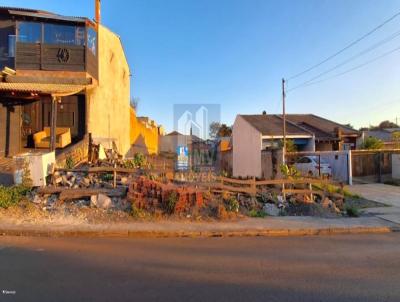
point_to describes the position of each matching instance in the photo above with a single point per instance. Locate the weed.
(136, 212)
(107, 177)
(231, 204)
(171, 202)
(12, 195)
(257, 214)
(352, 211)
(69, 162)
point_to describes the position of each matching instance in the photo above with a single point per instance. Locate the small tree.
(372, 143)
(290, 145)
(396, 139)
(214, 128)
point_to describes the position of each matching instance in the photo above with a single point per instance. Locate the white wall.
(396, 166)
(246, 149)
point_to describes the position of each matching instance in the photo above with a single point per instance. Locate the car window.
(304, 160)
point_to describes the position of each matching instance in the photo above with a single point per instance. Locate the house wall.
(10, 130)
(143, 139)
(246, 149)
(310, 146)
(108, 114)
(323, 147)
(7, 27)
(169, 143)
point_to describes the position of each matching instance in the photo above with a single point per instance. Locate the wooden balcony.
(52, 57)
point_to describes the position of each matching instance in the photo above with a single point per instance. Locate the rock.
(65, 181)
(36, 199)
(85, 182)
(51, 199)
(327, 203)
(271, 209)
(339, 203)
(101, 201)
(93, 201)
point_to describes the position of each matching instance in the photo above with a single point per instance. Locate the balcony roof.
(16, 11)
(43, 89)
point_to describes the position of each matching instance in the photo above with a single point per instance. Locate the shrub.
(12, 195)
(136, 212)
(26, 175)
(171, 202)
(352, 211)
(257, 214)
(289, 171)
(107, 177)
(232, 205)
(69, 162)
(372, 143)
(139, 160)
(221, 212)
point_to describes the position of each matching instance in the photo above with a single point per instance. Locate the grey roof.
(323, 124)
(270, 124)
(383, 135)
(299, 124)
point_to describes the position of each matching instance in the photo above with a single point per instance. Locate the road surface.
(337, 268)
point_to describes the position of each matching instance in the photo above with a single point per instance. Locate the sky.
(235, 53)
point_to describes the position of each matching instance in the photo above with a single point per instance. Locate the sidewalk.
(269, 226)
(386, 194)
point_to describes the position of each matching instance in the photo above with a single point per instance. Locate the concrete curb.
(197, 234)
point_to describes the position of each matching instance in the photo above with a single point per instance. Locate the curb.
(198, 234)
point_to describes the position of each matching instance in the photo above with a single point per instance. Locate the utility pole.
(284, 122)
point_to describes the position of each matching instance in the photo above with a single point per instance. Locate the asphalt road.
(337, 268)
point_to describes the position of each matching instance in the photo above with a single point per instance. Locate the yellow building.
(144, 134)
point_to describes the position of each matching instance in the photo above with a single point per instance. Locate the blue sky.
(235, 52)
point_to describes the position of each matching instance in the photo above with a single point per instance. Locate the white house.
(253, 133)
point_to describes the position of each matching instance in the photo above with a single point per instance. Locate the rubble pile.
(75, 180)
(144, 193)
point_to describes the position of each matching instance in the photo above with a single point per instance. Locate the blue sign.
(182, 162)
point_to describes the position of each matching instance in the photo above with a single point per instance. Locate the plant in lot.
(231, 204)
(136, 212)
(171, 202)
(26, 175)
(69, 162)
(372, 143)
(221, 212)
(352, 211)
(396, 139)
(257, 214)
(107, 177)
(290, 145)
(12, 195)
(289, 171)
(139, 160)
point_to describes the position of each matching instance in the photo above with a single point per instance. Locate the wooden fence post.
(253, 187)
(115, 176)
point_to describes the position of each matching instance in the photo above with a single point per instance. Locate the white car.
(311, 166)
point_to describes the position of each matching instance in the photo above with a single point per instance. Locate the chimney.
(97, 12)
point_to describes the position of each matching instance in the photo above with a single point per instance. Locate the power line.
(347, 47)
(376, 45)
(347, 71)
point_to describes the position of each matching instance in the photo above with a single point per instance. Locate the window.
(64, 34)
(29, 32)
(92, 40)
(11, 46)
